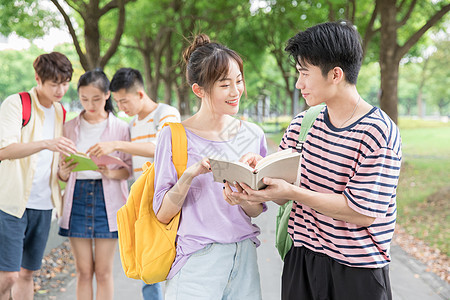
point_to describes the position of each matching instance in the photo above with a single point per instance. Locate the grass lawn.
(423, 194)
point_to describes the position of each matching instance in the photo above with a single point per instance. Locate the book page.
(284, 167)
(108, 160)
(232, 171)
(274, 157)
(86, 163)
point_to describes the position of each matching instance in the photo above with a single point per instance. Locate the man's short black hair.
(329, 45)
(128, 79)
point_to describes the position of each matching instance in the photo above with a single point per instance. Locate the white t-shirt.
(89, 135)
(41, 194)
(147, 130)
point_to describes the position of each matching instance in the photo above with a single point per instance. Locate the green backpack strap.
(307, 122)
(283, 241)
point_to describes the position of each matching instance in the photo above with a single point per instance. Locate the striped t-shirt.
(362, 161)
(147, 130)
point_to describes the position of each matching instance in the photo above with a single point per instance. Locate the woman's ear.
(337, 74)
(198, 90)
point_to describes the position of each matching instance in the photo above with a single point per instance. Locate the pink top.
(115, 191)
(361, 161)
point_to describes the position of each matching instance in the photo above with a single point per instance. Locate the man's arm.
(279, 191)
(139, 149)
(331, 205)
(21, 150)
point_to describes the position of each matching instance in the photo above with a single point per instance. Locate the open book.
(283, 165)
(91, 163)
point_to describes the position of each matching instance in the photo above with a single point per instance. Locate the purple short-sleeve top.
(205, 216)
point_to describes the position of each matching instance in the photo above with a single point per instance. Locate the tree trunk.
(147, 71)
(169, 78)
(92, 38)
(389, 62)
(183, 97)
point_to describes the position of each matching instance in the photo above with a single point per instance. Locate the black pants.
(308, 275)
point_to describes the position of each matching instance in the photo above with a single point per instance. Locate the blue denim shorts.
(23, 240)
(88, 218)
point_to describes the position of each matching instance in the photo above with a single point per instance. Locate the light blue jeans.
(218, 272)
(152, 291)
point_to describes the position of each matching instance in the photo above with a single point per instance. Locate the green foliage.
(161, 28)
(436, 88)
(369, 82)
(17, 71)
(26, 18)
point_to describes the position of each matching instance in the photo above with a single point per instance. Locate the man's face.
(51, 90)
(129, 102)
(313, 85)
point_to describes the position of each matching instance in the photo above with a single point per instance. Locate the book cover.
(86, 162)
(283, 165)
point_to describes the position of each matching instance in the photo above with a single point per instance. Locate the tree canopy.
(150, 35)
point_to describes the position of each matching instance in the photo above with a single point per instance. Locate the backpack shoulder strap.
(26, 107)
(64, 113)
(179, 147)
(307, 122)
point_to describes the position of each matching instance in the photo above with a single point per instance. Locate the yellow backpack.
(147, 246)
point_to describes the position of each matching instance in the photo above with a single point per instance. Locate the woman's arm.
(173, 200)
(118, 174)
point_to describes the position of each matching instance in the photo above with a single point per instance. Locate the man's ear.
(198, 90)
(337, 74)
(141, 94)
(38, 79)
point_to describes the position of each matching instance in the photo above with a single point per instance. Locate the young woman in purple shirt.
(216, 243)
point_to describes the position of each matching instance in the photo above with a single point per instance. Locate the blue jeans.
(218, 272)
(152, 291)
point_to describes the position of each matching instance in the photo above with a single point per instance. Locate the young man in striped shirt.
(344, 211)
(127, 87)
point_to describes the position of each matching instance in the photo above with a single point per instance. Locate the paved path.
(409, 279)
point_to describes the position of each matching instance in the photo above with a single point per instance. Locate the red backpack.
(26, 108)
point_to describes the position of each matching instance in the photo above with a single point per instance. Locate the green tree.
(436, 91)
(159, 31)
(410, 78)
(17, 71)
(401, 24)
(91, 12)
(26, 18)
